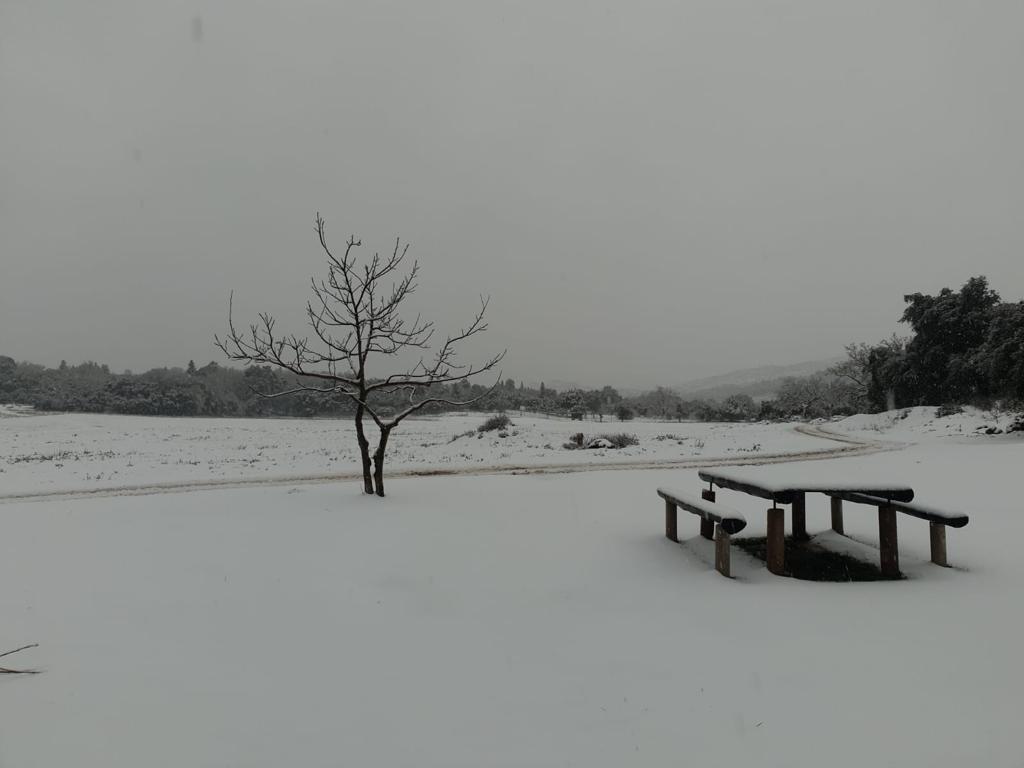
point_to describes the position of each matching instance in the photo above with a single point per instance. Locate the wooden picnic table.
(783, 487)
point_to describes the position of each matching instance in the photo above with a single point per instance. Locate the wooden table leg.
(777, 541)
(938, 539)
(707, 527)
(887, 541)
(837, 515)
(721, 550)
(800, 517)
(671, 531)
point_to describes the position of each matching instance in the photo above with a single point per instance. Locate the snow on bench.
(717, 521)
(728, 518)
(938, 520)
(784, 485)
(922, 511)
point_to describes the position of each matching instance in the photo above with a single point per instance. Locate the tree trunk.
(364, 450)
(378, 461)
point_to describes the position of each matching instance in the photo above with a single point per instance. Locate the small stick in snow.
(6, 671)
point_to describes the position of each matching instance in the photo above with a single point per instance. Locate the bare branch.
(261, 346)
(6, 671)
(427, 401)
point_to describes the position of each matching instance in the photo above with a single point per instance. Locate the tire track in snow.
(851, 447)
(814, 430)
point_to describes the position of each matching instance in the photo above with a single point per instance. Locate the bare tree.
(354, 316)
(802, 395)
(856, 369)
(866, 371)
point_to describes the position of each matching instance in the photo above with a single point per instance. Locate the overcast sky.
(650, 192)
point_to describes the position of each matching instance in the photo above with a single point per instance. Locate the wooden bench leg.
(671, 530)
(722, 550)
(837, 515)
(707, 527)
(800, 517)
(887, 541)
(777, 541)
(938, 538)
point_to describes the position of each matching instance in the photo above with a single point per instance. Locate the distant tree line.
(216, 390)
(965, 346)
(212, 390)
(664, 404)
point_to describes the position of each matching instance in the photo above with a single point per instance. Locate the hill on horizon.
(760, 382)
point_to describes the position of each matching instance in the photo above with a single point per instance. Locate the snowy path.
(852, 446)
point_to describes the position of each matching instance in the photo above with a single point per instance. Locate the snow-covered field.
(87, 452)
(500, 620)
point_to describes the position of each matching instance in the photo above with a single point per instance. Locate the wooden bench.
(717, 522)
(938, 521)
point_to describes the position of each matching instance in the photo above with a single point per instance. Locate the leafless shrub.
(500, 421)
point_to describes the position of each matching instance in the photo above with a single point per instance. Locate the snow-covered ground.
(923, 421)
(86, 452)
(533, 620)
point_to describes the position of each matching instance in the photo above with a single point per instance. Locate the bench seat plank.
(731, 520)
(922, 511)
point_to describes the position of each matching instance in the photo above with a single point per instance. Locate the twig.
(6, 671)
(24, 647)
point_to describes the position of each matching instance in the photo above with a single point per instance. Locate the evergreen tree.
(949, 330)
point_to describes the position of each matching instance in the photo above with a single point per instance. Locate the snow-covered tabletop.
(783, 484)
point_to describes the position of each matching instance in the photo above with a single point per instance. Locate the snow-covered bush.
(500, 421)
(621, 439)
(580, 441)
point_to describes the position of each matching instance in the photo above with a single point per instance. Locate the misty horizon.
(764, 373)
